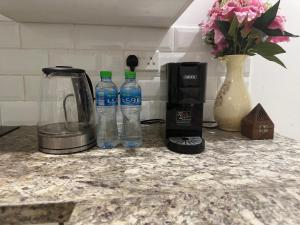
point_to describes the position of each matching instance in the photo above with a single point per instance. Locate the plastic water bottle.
(130, 95)
(106, 105)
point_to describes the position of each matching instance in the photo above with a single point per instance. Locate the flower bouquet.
(236, 29)
(246, 27)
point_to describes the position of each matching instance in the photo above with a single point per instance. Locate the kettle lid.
(64, 70)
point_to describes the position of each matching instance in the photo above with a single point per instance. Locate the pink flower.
(278, 23)
(219, 37)
(246, 12)
(257, 3)
(255, 12)
(219, 47)
(241, 14)
(278, 39)
(210, 25)
(242, 10)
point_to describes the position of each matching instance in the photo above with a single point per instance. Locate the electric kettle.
(67, 117)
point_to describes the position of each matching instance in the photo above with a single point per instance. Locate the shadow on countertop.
(24, 139)
(59, 212)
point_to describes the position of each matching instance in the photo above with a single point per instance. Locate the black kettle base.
(186, 145)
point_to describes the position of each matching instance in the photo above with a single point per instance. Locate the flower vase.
(233, 101)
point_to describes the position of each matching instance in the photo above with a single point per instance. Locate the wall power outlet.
(148, 61)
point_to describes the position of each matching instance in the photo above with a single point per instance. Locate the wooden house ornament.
(257, 125)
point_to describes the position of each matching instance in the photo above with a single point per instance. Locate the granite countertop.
(234, 181)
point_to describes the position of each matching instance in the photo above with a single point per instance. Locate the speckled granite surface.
(235, 181)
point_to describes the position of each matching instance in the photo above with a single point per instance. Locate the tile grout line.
(20, 36)
(24, 92)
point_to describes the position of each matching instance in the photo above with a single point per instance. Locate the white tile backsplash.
(247, 66)
(151, 89)
(113, 61)
(47, 35)
(11, 88)
(145, 113)
(21, 61)
(211, 87)
(32, 87)
(9, 37)
(26, 48)
(154, 110)
(208, 114)
(170, 57)
(221, 68)
(148, 38)
(141, 75)
(19, 113)
(88, 60)
(150, 110)
(188, 39)
(99, 37)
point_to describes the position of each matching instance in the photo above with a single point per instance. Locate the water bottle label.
(106, 98)
(131, 97)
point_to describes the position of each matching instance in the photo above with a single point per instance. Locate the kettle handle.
(90, 85)
(65, 109)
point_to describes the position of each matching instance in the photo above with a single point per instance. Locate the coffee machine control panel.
(186, 82)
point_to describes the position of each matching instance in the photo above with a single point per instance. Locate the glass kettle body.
(67, 116)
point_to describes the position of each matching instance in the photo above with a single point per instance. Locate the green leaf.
(273, 58)
(233, 27)
(268, 49)
(256, 34)
(209, 38)
(267, 18)
(278, 32)
(224, 27)
(246, 32)
(290, 35)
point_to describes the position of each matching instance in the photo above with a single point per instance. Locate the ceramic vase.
(233, 101)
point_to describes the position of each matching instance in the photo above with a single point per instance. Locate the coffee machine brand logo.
(190, 77)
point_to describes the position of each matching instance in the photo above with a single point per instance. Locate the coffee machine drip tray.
(186, 145)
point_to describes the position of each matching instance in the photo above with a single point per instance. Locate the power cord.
(152, 121)
(210, 125)
(206, 124)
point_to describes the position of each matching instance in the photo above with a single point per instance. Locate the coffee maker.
(183, 94)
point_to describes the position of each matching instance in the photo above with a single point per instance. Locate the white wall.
(276, 88)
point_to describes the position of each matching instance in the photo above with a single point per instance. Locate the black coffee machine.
(183, 94)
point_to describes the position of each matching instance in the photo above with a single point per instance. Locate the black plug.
(132, 61)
